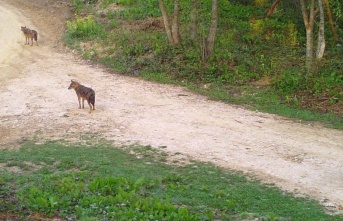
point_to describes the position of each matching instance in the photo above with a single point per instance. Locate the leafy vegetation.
(253, 54)
(84, 28)
(101, 182)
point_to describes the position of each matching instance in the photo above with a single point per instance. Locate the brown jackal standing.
(85, 93)
(29, 34)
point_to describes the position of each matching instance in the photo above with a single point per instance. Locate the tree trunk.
(309, 43)
(194, 22)
(271, 9)
(309, 23)
(209, 45)
(332, 26)
(166, 21)
(175, 25)
(321, 31)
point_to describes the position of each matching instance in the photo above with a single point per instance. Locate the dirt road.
(35, 104)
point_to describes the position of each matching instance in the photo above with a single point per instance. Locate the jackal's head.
(74, 84)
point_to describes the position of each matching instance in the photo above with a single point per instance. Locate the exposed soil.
(36, 104)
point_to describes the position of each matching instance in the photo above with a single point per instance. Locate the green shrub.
(273, 31)
(84, 28)
(288, 81)
(329, 85)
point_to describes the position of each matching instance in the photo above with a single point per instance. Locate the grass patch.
(101, 182)
(84, 29)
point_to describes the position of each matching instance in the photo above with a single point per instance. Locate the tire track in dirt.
(305, 159)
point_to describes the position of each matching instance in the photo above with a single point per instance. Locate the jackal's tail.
(91, 99)
(35, 36)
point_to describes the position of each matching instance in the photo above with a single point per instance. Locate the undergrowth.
(101, 182)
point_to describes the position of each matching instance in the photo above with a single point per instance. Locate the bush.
(84, 28)
(329, 85)
(288, 82)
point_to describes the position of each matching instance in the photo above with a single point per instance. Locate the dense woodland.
(277, 52)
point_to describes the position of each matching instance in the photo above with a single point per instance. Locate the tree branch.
(271, 9)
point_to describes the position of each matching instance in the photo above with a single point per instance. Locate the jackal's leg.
(79, 99)
(90, 106)
(83, 103)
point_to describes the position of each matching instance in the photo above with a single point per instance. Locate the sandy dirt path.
(35, 104)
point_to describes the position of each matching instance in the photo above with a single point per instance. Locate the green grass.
(102, 182)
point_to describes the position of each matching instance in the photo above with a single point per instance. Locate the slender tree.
(308, 18)
(331, 22)
(172, 30)
(167, 25)
(309, 21)
(209, 43)
(175, 24)
(321, 31)
(194, 19)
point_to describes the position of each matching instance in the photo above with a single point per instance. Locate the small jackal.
(85, 93)
(29, 34)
